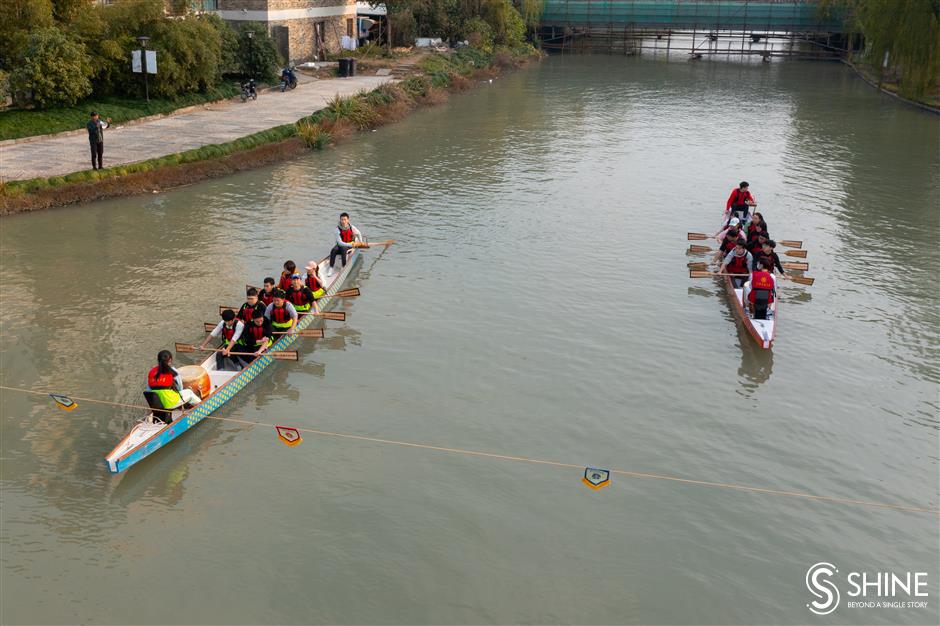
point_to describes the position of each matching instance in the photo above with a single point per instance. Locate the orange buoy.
(196, 377)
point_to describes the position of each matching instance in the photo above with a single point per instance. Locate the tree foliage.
(256, 56)
(52, 69)
(17, 19)
(488, 22)
(907, 30)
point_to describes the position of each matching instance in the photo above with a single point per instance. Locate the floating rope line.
(523, 459)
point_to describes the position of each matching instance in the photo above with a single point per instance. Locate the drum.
(196, 377)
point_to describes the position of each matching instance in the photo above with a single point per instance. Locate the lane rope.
(523, 459)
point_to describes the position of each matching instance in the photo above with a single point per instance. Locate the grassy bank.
(18, 123)
(889, 84)
(440, 75)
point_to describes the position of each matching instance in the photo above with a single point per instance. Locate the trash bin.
(347, 67)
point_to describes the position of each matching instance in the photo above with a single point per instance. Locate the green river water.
(537, 304)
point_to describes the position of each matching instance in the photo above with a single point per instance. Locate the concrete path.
(218, 123)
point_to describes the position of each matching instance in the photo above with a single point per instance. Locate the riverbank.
(890, 88)
(436, 75)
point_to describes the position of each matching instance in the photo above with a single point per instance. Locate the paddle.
(699, 249)
(801, 254)
(313, 333)
(339, 316)
(697, 236)
(789, 243)
(697, 265)
(704, 274)
(795, 265)
(803, 280)
(282, 355)
(352, 292)
(369, 244)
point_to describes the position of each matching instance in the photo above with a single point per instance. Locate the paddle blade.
(697, 265)
(283, 355)
(700, 274)
(790, 243)
(339, 316)
(803, 280)
(185, 347)
(800, 254)
(699, 249)
(312, 333)
(63, 402)
(348, 293)
(795, 265)
(223, 309)
(209, 326)
(697, 236)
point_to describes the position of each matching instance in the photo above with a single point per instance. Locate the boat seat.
(153, 401)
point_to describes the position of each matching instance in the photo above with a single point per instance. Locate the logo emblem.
(290, 436)
(596, 478)
(823, 589)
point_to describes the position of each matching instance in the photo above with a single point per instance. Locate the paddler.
(312, 280)
(770, 258)
(762, 286)
(247, 311)
(165, 381)
(300, 295)
(290, 268)
(738, 261)
(230, 330)
(282, 314)
(740, 201)
(267, 293)
(347, 236)
(256, 339)
(727, 239)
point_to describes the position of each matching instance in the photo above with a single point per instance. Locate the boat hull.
(145, 439)
(762, 332)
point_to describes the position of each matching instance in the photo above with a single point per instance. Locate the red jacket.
(738, 197)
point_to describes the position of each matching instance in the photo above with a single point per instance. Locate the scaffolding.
(766, 28)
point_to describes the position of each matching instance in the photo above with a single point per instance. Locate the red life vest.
(266, 297)
(737, 265)
(247, 312)
(761, 281)
(299, 297)
(285, 281)
(739, 198)
(313, 282)
(163, 381)
(730, 241)
(253, 332)
(228, 333)
(348, 236)
(279, 314)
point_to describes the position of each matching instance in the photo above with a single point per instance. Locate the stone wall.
(302, 36)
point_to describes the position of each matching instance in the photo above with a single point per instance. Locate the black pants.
(740, 211)
(227, 363)
(338, 251)
(97, 151)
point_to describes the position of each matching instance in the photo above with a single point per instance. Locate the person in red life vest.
(347, 237)
(755, 243)
(312, 280)
(267, 293)
(757, 223)
(739, 261)
(230, 330)
(299, 295)
(281, 313)
(256, 339)
(290, 268)
(740, 201)
(760, 291)
(247, 311)
(769, 257)
(727, 239)
(164, 381)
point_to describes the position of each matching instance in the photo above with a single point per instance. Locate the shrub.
(52, 70)
(415, 86)
(314, 136)
(479, 34)
(257, 55)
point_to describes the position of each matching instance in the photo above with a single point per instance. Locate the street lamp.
(142, 40)
(251, 55)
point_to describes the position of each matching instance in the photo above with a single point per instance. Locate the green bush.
(313, 135)
(479, 34)
(256, 55)
(18, 18)
(52, 70)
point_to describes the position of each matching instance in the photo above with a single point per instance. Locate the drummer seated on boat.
(740, 201)
(281, 313)
(247, 311)
(312, 279)
(256, 339)
(267, 293)
(230, 330)
(290, 268)
(738, 262)
(760, 291)
(300, 295)
(164, 381)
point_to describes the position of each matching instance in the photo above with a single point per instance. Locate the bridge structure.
(700, 27)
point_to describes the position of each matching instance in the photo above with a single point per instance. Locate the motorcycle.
(288, 78)
(249, 90)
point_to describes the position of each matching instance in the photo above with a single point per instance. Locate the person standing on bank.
(347, 236)
(96, 128)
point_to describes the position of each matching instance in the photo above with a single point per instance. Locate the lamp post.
(143, 39)
(251, 55)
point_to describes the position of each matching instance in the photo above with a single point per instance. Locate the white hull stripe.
(281, 15)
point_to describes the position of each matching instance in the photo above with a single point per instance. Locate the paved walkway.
(218, 123)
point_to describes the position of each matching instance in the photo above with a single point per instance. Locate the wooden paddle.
(697, 236)
(339, 316)
(795, 265)
(699, 249)
(704, 274)
(697, 265)
(312, 333)
(282, 355)
(801, 254)
(369, 244)
(353, 292)
(789, 243)
(803, 280)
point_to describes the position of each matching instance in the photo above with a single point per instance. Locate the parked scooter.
(288, 78)
(249, 90)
